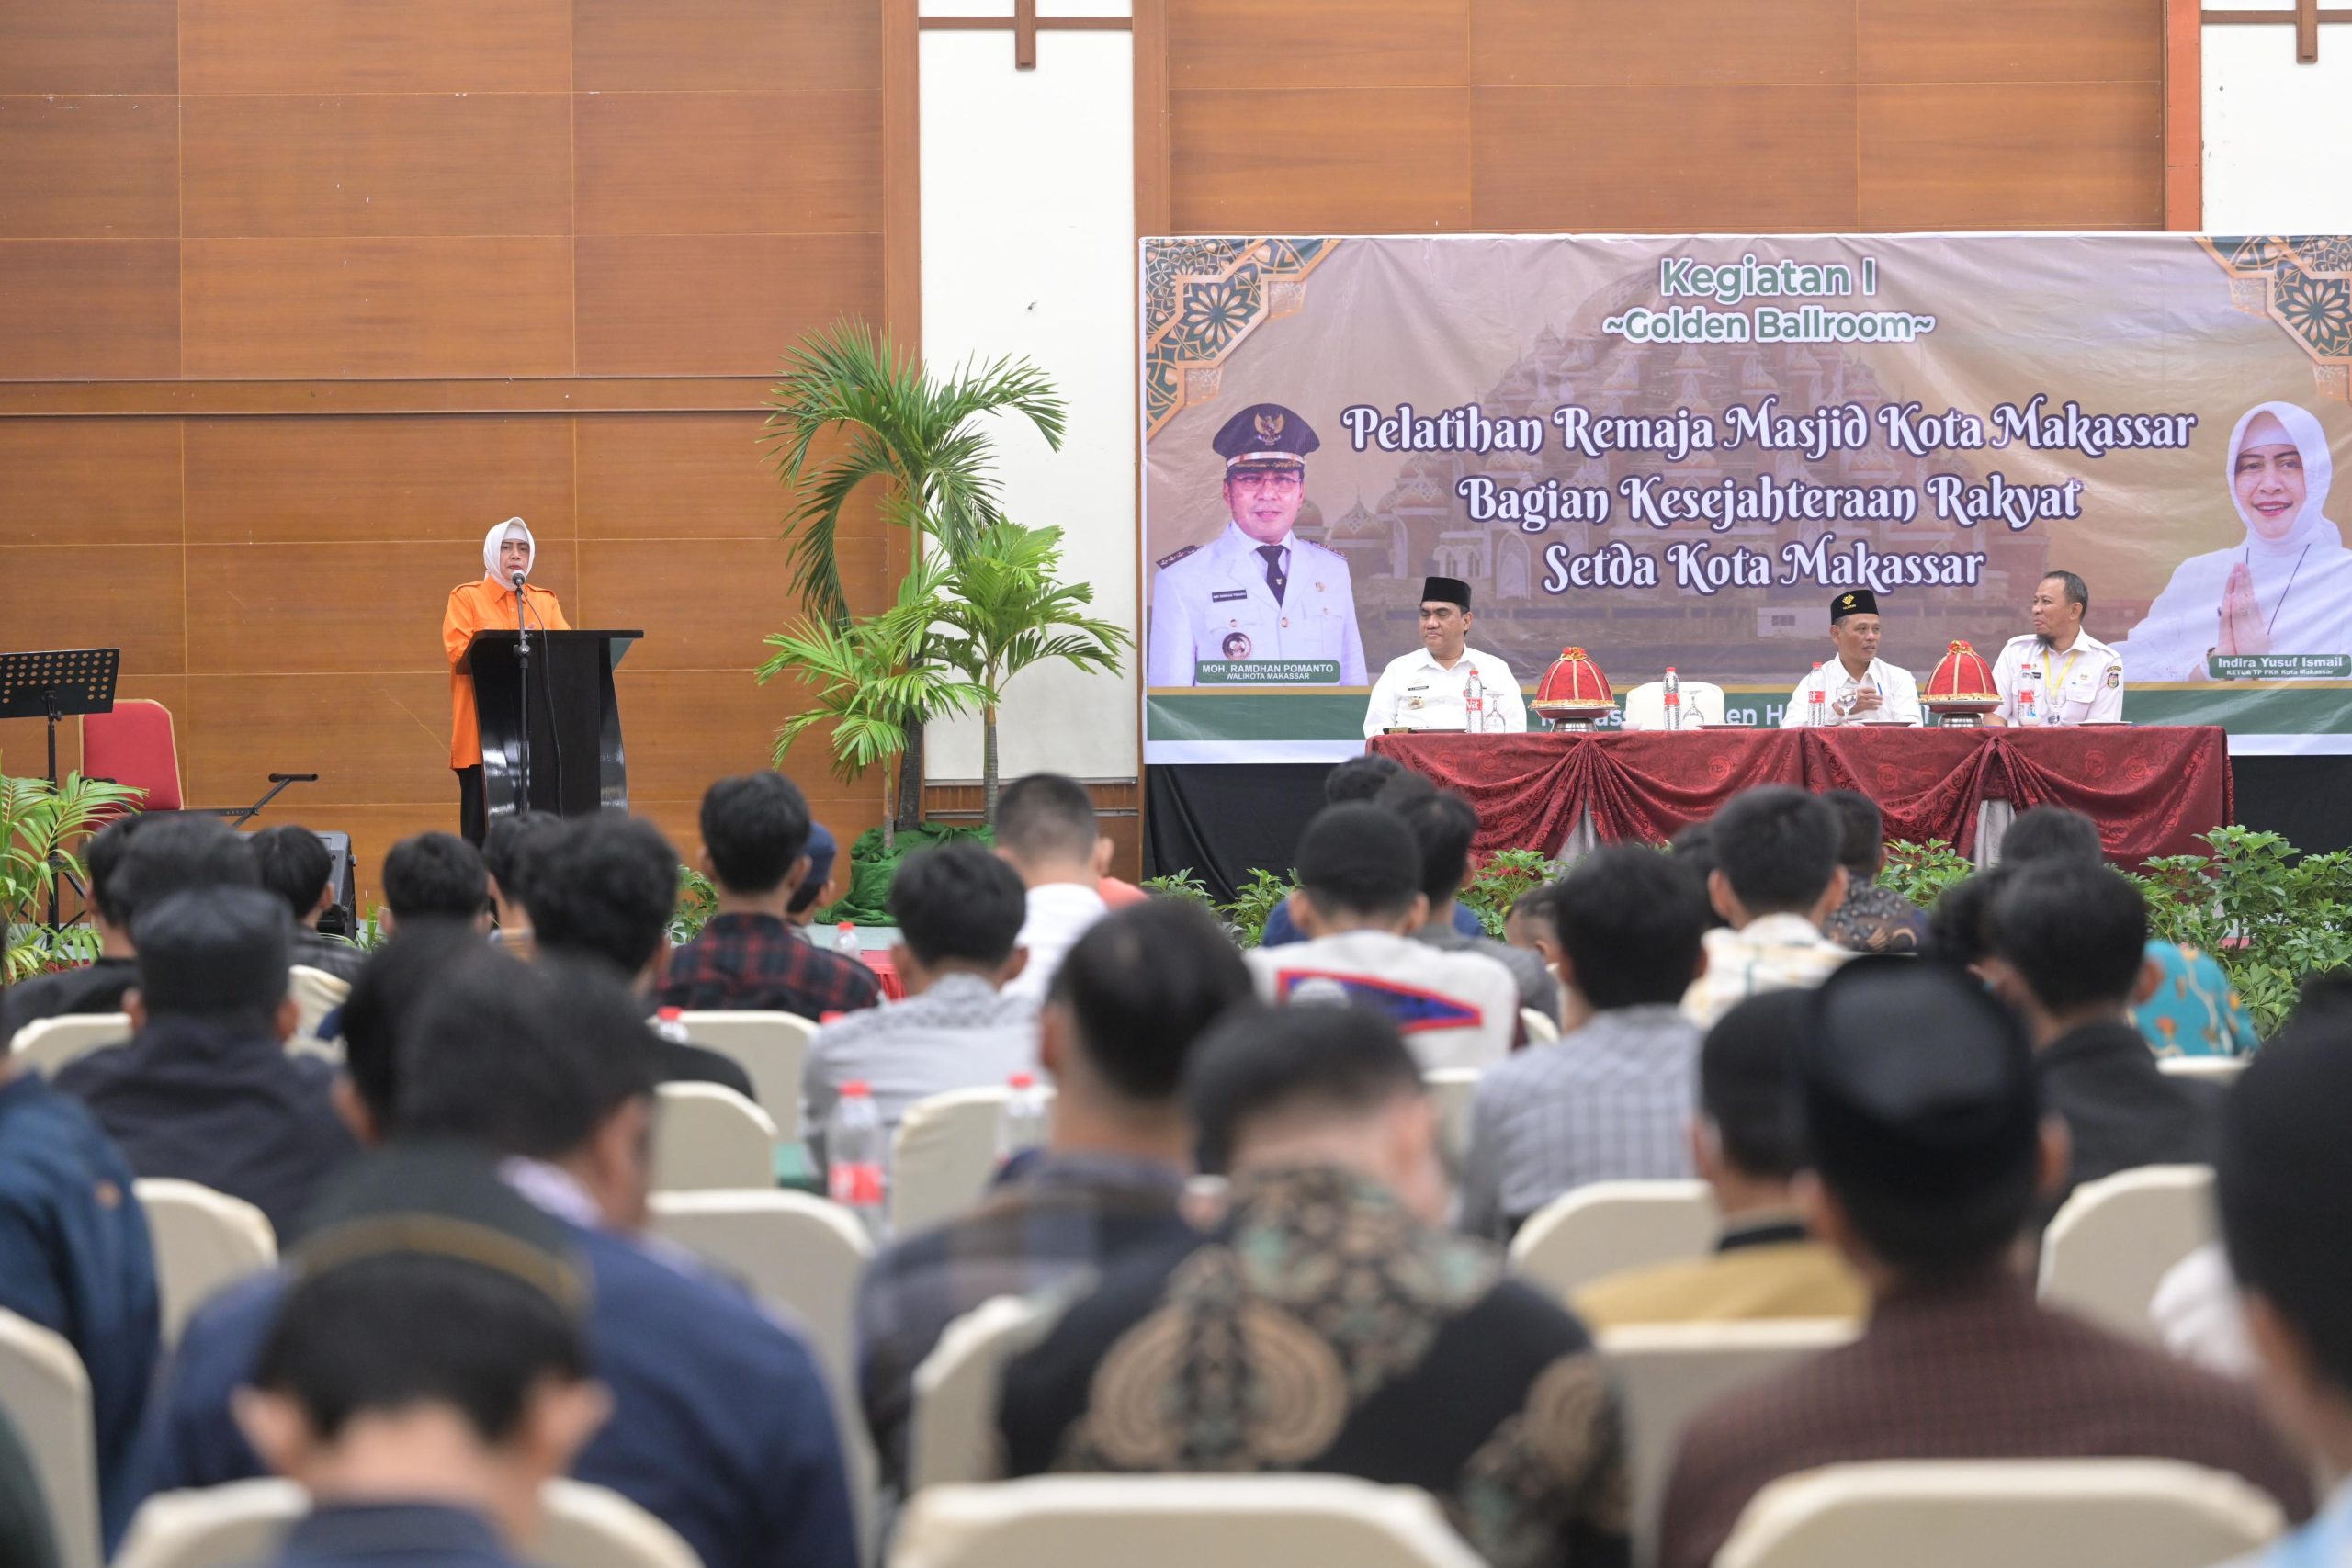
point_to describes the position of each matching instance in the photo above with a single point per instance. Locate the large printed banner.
(1678, 450)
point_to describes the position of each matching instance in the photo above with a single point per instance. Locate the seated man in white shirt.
(1432, 688)
(1776, 877)
(2058, 673)
(1858, 686)
(957, 908)
(1044, 828)
(1359, 900)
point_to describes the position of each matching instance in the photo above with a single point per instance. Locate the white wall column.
(2276, 130)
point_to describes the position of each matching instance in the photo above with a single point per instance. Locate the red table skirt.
(2151, 790)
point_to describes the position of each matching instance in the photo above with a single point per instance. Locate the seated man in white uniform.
(1858, 686)
(1433, 687)
(2058, 673)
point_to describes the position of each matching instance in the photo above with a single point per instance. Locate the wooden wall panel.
(1628, 42)
(90, 483)
(337, 609)
(119, 46)
(710, 163)
(440, 480)
(370, 738)
(2012, 40)
(737, 46)
(1226, 45)
(378, 163)
(2071, 155)
(676, 476)
(689, 726)
(374, 830)
(715, 305)
(1753, 159)
(702, 603)
(78, 307)
(124, 596)
(368, 46)
(1331, 158)
(375, 307)
(89, 167)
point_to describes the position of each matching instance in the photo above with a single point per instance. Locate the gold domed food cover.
(1574, 688)
(1962, 683)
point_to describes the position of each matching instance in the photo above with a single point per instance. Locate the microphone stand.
(523, 664)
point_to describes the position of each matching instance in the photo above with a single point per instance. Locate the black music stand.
(52, 684)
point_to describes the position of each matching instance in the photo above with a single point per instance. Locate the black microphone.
(517, 581)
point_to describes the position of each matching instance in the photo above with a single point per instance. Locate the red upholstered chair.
(134, 745)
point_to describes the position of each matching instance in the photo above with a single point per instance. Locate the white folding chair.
(2041, 1513)
(316, 994)
(49, 1043)
(952, 1437)
(45, 1390)
(1178, 1521)
(1600, 1228)
(2213, 1069)
(772, 1046)
(1540, 1029)
(1453, 1090)
(1646, 703)
(943, 1154)
(242, 1522)
(2113, 1240)
(1667, 1373)
(707, 1135)
(204, 1240)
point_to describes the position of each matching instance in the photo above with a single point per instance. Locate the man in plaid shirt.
(755, 843)
(1128, 1003)
(1929, 1144)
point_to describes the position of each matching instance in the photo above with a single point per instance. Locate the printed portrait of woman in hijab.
(2284, 587)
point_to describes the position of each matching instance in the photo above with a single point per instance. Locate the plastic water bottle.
(857, 1157)
(670, 1024)
(1473, 703)
(1673, 699)
(845, 941)
(1023, 1125)
(1815, 699)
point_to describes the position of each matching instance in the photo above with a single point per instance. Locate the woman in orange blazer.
(487, 604)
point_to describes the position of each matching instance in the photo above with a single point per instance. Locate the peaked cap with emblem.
(1265, 435)
(1853, 601)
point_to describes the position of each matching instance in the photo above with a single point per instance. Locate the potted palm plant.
(41, 824)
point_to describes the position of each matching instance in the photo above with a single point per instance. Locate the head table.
(2151, 790)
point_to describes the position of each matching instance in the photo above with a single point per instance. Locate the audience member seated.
(2193, 1009)
(603, 894)
(1359, 778)
(297, 867)
(96, 986)
(2283, 1187)
(1776, 879)
(1328, 1323)
(75, 1258)
(1694, 850)
(1530, 925)
(513, 838)
(1358, 898)
(1927, 1149)
(1765, 1265)
(205, 1090)
(722, 1425)
(1444, 825)
(957, 908)
(2069, 952)
(1611, 1101)
(430, 1372)
(1872, 919)
(1960, 924)
(1133, 994)
(816, 889)
(754, 838)
(436, 877)
(1045, 826)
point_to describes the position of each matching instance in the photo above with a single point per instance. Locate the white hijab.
(499, 536)
(2302, 582)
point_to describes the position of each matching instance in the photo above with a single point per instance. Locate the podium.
(572, 754)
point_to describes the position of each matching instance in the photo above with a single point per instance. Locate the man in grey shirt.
(1444, 825)
(1611, 1101)
(958, 909)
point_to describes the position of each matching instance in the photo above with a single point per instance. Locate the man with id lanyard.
(1858, 686)
(2058, 673)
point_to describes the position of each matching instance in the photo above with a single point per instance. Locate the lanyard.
(2057, 682)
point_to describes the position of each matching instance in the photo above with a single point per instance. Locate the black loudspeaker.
(340, 920)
